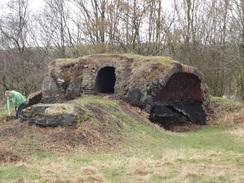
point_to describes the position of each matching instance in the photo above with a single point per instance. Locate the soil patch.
(34, 139)
(9, 156)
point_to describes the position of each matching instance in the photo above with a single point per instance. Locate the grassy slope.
(143, 153)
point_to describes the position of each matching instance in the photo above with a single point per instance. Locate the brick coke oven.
(170, 92)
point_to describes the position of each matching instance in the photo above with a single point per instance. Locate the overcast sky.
(38, 3)
(33, 3)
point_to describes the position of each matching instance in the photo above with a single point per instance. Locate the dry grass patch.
(59, 170)
(236, 118)
(208, 173)
(238, 132)
(184, 166)
(90, 174)
(173, 165)
(142, 170)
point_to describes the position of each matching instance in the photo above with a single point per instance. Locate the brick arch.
(181, 86)
(178, 103)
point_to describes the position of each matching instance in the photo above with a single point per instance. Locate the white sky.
(33, 3)
(38, 3)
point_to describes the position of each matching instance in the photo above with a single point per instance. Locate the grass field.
(142, 153)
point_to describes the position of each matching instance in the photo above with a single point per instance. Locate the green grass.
(210, 138)
(226, 103)
(4, 112)
(209, 155)
(15, 172)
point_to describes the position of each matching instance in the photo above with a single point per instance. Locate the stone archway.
(105, 80)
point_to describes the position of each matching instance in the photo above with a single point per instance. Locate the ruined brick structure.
(166, 89)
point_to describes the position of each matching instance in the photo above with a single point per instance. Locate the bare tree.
(237, 38)
(153, 41)
(19, 61)
(14, 25)
(92, 13)
(55, 29)
(206, 34)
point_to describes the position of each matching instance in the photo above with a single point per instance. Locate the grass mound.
(101, 123)
(114, 143)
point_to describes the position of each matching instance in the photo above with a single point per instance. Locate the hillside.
(102, 122)
(115, 142)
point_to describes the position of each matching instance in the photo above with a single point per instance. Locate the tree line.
(206, 34)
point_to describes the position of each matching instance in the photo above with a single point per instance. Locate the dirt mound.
(32, 139)
(102, 123)
(7, 155)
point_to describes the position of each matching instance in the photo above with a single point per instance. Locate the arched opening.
(178, 105)
(105, 80)
(181, 86)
